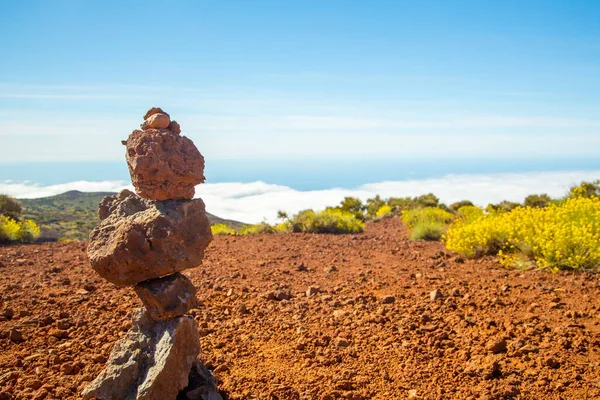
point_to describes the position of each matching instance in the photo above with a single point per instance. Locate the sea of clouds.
(257, 201)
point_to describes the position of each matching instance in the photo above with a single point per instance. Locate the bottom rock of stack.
(153, 362)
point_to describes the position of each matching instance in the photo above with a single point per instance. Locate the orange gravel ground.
(368, 328)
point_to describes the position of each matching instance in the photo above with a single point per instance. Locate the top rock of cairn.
(163, 165)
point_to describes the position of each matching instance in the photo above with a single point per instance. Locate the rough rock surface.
(174, 127)
(123, 204)
(152, 362)
(139, 240)
(163, 165)
(168, 297)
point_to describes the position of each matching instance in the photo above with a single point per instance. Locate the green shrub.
(352, 205)
(400, 203)
(459, 204)
(302, 221)
(427, 230)
(426, 223)
(331, 220)
(373, 205)
(537, 200)
(222, 229)
(428, 214)
(427, 200)
(503, 206)
(10, 207)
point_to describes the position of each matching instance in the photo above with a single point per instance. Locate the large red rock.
(140, 239)
(163, 165)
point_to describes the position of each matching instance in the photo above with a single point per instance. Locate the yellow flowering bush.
(476, 236)
(470, 213)
(9, 229)
(559, 236)
(284, 227)
(221, 229)
(383, 211)
(330, 220)
(586, 189)
(15, 231)
(28, 231)
(427, 214)
(263, 227)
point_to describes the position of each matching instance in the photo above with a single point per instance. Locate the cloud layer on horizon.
(256, 201)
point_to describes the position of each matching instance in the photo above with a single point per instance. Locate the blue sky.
(297, 79)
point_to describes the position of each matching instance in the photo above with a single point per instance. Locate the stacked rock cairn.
(144, 240)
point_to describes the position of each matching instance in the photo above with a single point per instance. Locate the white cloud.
(481, 189)
(255, 201)
(31, 190)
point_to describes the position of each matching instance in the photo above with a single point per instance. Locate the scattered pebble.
(388, 299)
(312, 290)
(15, 335)
(435, 295)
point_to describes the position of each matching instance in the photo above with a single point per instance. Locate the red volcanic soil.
(372, 327)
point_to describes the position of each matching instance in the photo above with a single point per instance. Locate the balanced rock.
(163, 165)
(168, 297)
(140, 239)
(154, 110)
(152, 362)
(156, 121)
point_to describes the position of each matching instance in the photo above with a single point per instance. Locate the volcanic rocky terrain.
(301, 316)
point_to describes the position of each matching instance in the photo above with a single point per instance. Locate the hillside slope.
(72, 215)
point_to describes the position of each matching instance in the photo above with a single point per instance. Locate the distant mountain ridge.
(73, 214)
